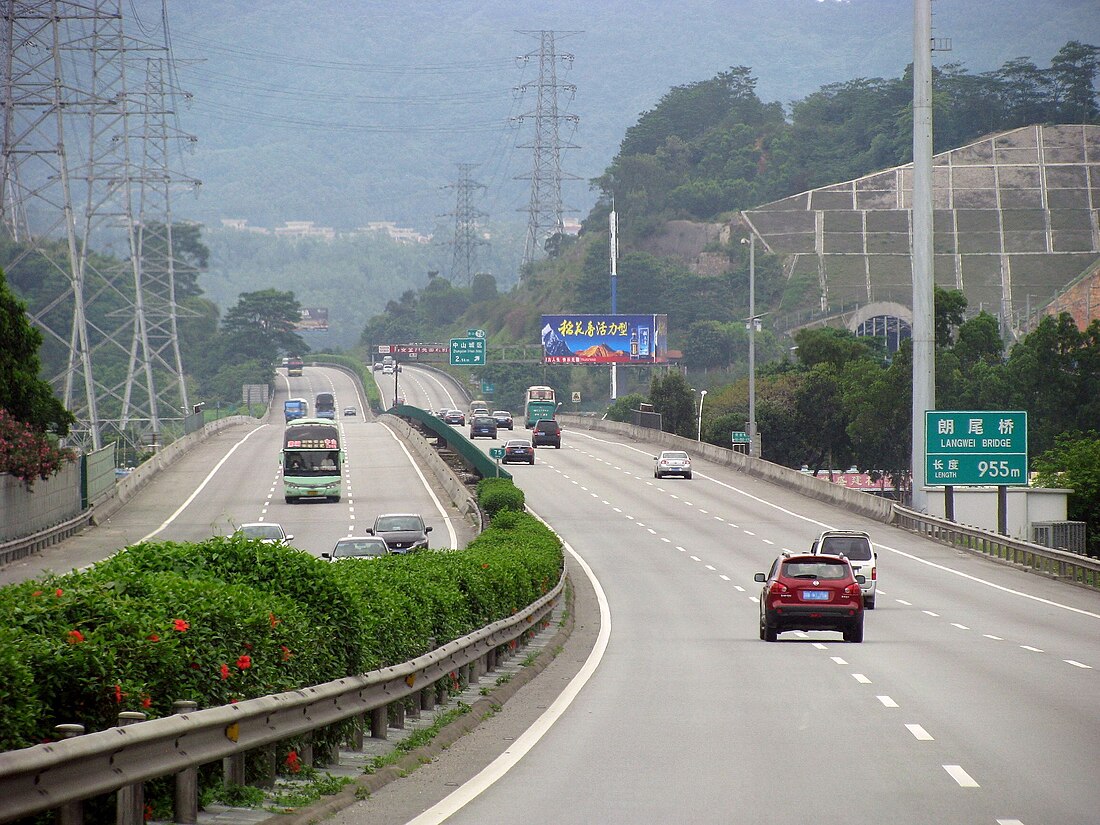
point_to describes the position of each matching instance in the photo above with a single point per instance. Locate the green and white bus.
(312, 461)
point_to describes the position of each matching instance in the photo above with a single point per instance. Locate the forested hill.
(348, 111)
(713, 147)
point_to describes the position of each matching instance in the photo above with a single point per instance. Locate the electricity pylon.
(467, 237)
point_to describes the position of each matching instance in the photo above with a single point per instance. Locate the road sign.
(975, 448)
(487, 387)
(576, 398)
(496, 452)
(739, 438)
(475, 333)
(468, 352)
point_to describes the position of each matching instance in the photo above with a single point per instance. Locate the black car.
(454, 417)
(546, 433)
(516, 450)
(482, 425)
(503, 419)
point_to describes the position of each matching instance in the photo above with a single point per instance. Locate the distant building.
(400, 234)
(241, 225)
(304, 229)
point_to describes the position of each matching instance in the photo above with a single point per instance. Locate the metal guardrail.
(485, 466)
(57, 774)
(1060, 564)
(29, 545)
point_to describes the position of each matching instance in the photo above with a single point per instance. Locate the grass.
(417, 738)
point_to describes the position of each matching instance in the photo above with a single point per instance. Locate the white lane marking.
(859, 677)
(681, 549)
(1009, 822)
(666, 540)
(1032, 649)
(723, 577)
(748, 532)
(930, 613)
(768, 541)
(709, 567)
(704, 512)
(616, 509)
(887, 702)
(902, 601)
(651, 530)
(719, 518)
(631, 518)
(919, 733)
(435, 499)
(694, 558)
(820, 646)
(1077, 664)
(959, 626)
(994, 638)
(496, 769)
(737, 587)
(909, 556)
(964, 779)
(202, 485)
(838, 660)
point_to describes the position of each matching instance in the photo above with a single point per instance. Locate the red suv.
(805, 592)
(546, 433)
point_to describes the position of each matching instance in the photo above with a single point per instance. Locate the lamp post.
(699, 427)
(754, 449)
(395, 368)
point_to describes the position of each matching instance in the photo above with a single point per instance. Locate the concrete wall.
(977, 507)
(865, 504)
(53, 501)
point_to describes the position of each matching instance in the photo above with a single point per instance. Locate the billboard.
(604, 339)
(313, 318)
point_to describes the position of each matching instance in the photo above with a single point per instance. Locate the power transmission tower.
(467, 238)
(75, 173)
(545, 207)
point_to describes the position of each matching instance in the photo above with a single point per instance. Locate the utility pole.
(545, 209)
(613, 243)
(467, 238)
(924, 329)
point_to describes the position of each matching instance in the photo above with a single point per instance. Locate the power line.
(467, 238)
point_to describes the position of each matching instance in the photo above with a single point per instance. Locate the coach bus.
(312, 461)
(294, 366)
(538, 403)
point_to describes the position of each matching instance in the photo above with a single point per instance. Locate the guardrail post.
(412, 705)
(268, 766)
(307, 750)
(379, 722)
(398, 709)
(186, 803)
(357, 725)
(130, 799)
(71, 813)
(427, 698)
(233, 770)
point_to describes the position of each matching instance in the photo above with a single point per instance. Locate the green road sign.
(975, 448)
(475, 333)
(496, 452)
(487, 387)
(739, 438)
(468, 352)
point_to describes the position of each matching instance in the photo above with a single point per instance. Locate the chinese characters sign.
(467, 352)
(604, 339)
(975, 448)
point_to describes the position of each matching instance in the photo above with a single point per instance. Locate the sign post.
(497, 453)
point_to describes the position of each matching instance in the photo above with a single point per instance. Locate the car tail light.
(779, 589)
(874, 573)
(853, 591)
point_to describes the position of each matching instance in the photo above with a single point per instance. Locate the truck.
(295, 408)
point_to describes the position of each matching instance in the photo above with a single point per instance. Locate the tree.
(262, 324)
(1074, 70)
(674, 400)
(1074, 462)
(832, 346)
(879, 409)
(620, 408)
(483, 288)
(26, 398)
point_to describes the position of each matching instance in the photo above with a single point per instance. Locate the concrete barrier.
(875, 507)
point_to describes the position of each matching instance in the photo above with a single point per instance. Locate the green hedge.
(228, 619)
(496, 494)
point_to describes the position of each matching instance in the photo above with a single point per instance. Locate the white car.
(268, 532)
(856, 546)
(672, 463)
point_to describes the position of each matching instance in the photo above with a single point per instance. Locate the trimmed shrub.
(496, 494)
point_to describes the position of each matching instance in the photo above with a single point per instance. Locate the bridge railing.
(60, 775)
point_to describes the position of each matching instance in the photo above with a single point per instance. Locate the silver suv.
(856, 546)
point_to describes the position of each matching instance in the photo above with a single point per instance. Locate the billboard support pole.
(613, 242)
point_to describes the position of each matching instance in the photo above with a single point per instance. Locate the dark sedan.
(403, 532)
(482, 425)
(516, 450)
(454, 417)
(503, 419)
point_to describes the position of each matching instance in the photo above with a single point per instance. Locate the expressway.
(972, 699)
(234, 478)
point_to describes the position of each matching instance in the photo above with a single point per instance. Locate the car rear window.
(816, 569)
(854, 547)
(547, 426)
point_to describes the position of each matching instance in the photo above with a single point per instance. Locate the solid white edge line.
(200, 488)
(496, 769)
(438, 504)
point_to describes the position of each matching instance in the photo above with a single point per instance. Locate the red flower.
(195, 666)
(180, 625)
(286, 652)
(248, 645)
(485, 566)
(271, 618)
(75, 637)
(293, 762)
(153, 637)
(147, 814)
(225, 671)
(36, 594)
(244, 662)
(58, 592)
(146, 702)
(118, 694)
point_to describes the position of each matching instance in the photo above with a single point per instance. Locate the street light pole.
(699, 428)
(754, 447)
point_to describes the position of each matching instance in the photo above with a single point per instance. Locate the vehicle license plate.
(311, 492)
(815, 595)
